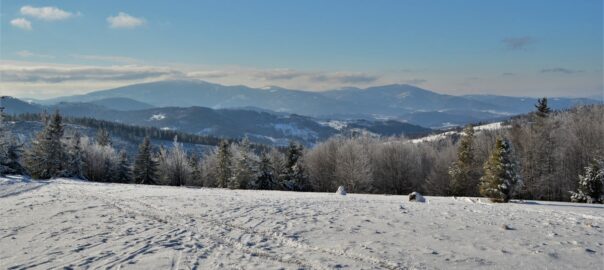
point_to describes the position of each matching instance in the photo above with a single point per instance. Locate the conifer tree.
(196, 170)
(501, 178)
(46, 156)
(103, 138)
(464, 178)
(145, 166)
(266, 178)
(124, 171)
(591, 185)
(542, 109)
(75, 163)
(294, 177)
(224, 164)
(10, 149)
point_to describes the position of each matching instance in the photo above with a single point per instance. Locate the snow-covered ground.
(76, 224)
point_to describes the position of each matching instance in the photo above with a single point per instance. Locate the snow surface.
(157, 117)
(78, 224)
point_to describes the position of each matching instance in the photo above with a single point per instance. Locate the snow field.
(77, 224)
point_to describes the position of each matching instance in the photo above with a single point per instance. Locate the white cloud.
(61, 74)
(124, 20)
(21, 23)
(46, 13)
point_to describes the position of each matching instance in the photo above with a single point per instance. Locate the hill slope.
(94, 225)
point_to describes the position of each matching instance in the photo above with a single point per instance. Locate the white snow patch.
(157, 117)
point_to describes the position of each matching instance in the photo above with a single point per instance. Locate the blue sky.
(528, 48)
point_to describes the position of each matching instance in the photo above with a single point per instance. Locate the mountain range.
(400, 102)
(275, 115)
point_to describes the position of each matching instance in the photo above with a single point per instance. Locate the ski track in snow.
(82, 225)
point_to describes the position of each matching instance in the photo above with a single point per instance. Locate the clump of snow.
(335, 124)
(416, 197)
(157, 117)
(341, 190)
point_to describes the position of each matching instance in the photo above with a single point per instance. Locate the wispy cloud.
(106, 58)
(560, 70)
(46, 13)
(21, 23)
(55, 74)
(517, 43)
(124, 20)
(345, 78)
(27, 54)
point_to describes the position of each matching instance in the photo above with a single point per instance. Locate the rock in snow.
(416, 197)
(341, 190)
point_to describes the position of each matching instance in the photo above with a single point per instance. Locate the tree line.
(544, 155)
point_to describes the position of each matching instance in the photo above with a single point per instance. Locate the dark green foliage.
(224, 164)
(542, 109)
(501, 179)
(266, 178)
(46, 157)
(124, 171)
(145, 166)
(294, 176)
(464, 178)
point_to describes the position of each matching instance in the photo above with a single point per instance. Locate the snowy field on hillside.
(76, 224)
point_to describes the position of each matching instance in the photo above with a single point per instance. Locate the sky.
(512, 47)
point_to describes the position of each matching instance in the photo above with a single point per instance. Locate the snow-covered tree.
(10, 150)
(174, 165)
(591, 185)
(501, 179)
(224, 161)
(75, 158)
(46, 157)
(145, 166)
(101, 162)
(103, 138)
(353, 167)
(196, 170)
(293, 177)
(464, 178)
(245, 167)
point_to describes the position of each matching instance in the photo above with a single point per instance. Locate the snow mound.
(416, 197)
(341, 190)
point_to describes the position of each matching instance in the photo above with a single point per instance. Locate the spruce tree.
(75, 163)
(542, 109)
(103, 138)
(464, 178)
(501, 178)
(591, 185)
(145, 166)
(224, 164)
(46, 157)
(294, 176)
(124, 171)
(266, 178)
(196, 170)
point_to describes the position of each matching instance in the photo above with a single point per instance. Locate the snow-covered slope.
(76, 224)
